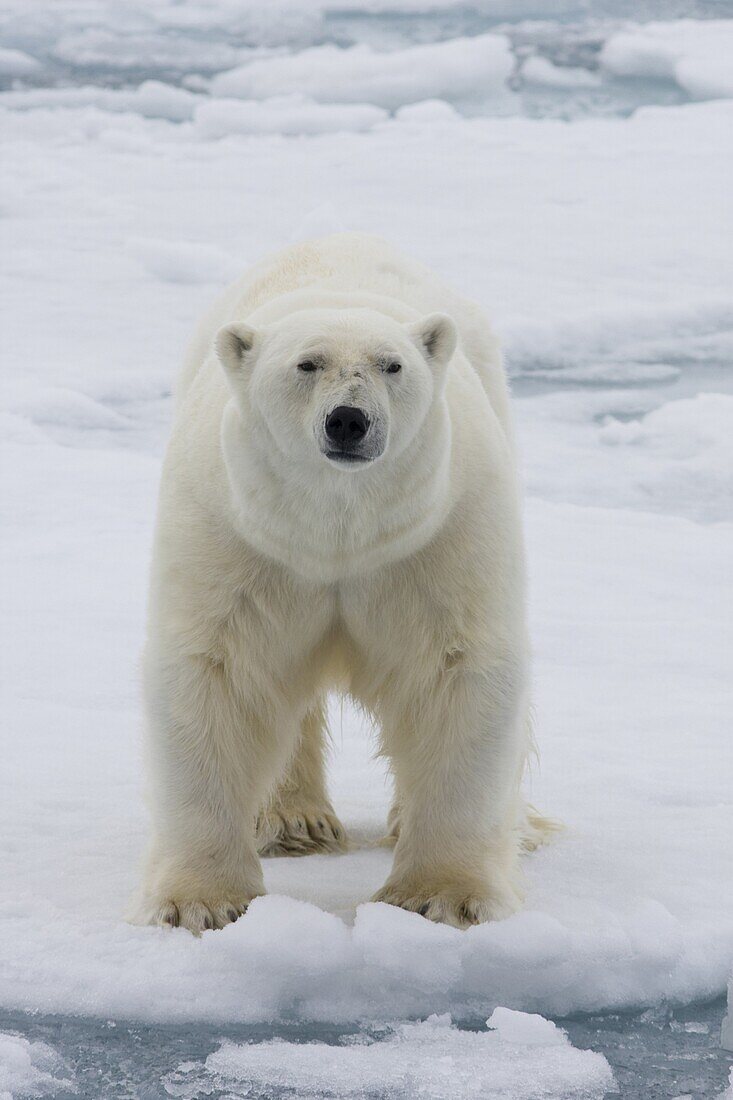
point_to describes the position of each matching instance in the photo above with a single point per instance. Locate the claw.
(297, 834)
(170, 916)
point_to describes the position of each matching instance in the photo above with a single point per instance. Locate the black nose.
(346, 425)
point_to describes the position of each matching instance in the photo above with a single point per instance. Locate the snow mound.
(521, 1058)
(695, 54)
(691, 444)
(287, 114)
(458, 69)
(53, 406)
(30, 1069)
(183, 261)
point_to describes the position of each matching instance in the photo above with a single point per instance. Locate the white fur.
(279, 575)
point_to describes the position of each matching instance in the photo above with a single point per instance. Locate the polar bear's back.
(356, 262)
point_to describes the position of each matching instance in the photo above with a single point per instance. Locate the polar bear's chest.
(328, 537)
(322, 544)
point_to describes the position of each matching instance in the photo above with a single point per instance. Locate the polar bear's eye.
(307, 365)
(394, 368)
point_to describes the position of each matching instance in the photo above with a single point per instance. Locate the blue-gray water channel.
(665, 1053)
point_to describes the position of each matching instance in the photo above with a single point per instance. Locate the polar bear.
(338, 511)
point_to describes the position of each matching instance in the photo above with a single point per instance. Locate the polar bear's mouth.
(348, 456)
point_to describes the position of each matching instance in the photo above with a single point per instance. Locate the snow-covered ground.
(150, 152)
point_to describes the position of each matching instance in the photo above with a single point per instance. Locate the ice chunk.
(17, 63)
(525, 1028)
(726, 1036)
(460, 68)
(524, 1058)
(152, 99)
(539, 70)
(695, 54)
(123, 49)
(157, 100)
(30, 1069)
(287, 114)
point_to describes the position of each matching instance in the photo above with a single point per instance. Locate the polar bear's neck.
(346, 524)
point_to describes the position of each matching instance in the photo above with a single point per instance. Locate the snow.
(30, 1069)
(285, 114)
(183, 261)
(214, 118)
(612, 918)
(460, 68)
(598, 246)
(694, 54)
(521, 1058)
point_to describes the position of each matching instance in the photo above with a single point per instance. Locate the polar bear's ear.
(436, 337)
(236, 347)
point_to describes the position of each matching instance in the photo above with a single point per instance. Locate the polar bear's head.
(344, 387)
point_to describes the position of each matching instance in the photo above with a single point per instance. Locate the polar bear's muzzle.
(350, 436)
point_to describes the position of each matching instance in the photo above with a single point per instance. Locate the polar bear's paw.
(299, 831)
(453, 903)
(199, 916)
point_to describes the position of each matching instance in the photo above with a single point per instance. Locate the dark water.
(666, 1052)
(661, 1053)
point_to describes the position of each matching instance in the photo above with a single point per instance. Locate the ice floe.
(696, 54)
(517, 1057)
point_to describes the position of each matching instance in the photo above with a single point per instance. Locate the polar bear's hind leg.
(298, 819)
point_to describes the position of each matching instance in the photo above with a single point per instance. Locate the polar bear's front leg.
(457, 753)
(213, 755)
